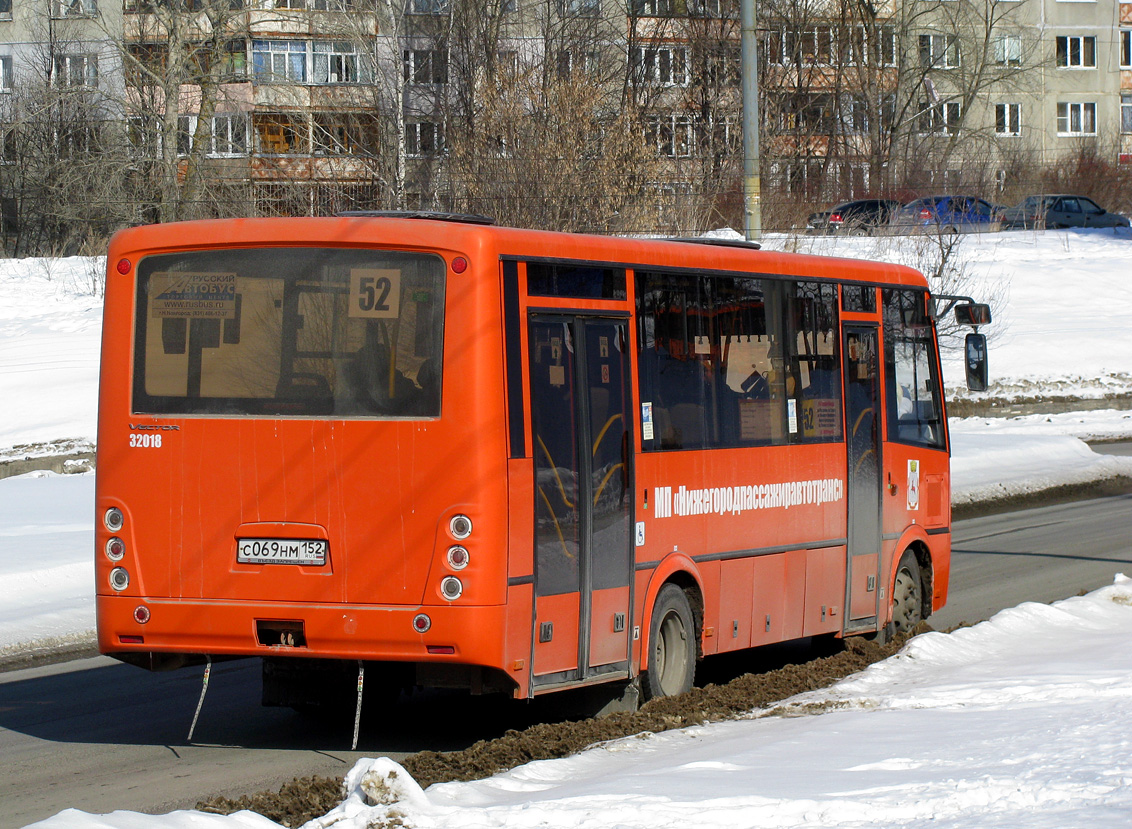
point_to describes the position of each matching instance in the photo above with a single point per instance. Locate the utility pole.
(752, 181)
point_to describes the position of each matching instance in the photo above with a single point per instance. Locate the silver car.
(1060, 211)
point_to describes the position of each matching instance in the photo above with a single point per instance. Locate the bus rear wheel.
(672, 645)
(907, 594)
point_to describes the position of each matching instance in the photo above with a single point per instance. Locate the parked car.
(859, 217)
(1060, 211)
(947, 214)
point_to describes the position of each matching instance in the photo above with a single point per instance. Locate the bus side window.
(914, 407)
(814, 361)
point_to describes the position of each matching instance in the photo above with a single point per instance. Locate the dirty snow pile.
(1017, 721)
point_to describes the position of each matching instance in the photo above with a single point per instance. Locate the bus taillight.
(421, 623)
(461, 527)
(124, 266)
(451, 588)
(141, 614)
(119, 579)
(457, 557)
(113, 519)
(115, 548)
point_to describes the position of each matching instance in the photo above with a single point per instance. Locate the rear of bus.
(300, 454)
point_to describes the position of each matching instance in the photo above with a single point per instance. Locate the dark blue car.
(947, 214)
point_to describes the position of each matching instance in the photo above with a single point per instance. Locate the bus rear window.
(328, 332)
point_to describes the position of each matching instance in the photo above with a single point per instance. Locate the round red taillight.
(925, 214)
(421, 623)
(459, 264)
(124, 266)
(141, 614)
(458, 557)
(115, 548)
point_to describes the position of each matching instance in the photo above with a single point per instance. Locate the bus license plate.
(281, 551)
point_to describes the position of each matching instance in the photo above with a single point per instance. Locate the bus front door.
(862, 407)
(583, 497)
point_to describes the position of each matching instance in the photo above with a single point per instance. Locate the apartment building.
(310, 106)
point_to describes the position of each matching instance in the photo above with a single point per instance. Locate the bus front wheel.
(907, 594)
(672, 645)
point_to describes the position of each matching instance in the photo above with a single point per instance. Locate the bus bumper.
(470, 635)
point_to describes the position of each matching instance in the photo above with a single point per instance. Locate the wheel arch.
(916, 543)
(682, 571)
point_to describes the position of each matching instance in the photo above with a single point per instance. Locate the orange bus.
(507, 460)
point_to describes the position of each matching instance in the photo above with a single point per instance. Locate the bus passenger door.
(580, 415)
(862, 409)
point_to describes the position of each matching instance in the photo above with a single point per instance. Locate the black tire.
(907, 594)
(672, 646)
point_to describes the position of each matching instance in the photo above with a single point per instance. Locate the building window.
(1126, 48)
(1008, 50)
(71, 8)
(809, 46)
(1008, 119)
(939, 51)
(5, 73)
(1126, 114)
(278, 134)
(580, 8)
(76, 70)
(5, 9)
(803, 113)
(670, 134)
(8, 149)
(277, 61)
(1077, 52)
(430, 7)
(423, 138)
(335, 61)
(425, 66)
(880, 49)
(345, 134)
(705, 8)
(1076, 119)
(653, 8)
(665, 66)
(75, 140)
(940, 119)
(186, 128)
(568, 62)
(234, 60)
(229, 135)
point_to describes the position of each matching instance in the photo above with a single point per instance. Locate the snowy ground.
(1013, 722)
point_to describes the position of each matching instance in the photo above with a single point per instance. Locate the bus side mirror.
(976, 362)
(973, 314)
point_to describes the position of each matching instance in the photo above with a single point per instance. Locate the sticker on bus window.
(821, 418)
(558, 375)
(792, 415)
(193, 295)
(603, 347)
(375, 293)
(646, 421)
(913, 485)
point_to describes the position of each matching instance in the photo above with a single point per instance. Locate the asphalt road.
(99, 735)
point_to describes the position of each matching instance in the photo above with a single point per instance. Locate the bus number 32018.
(145, 441)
